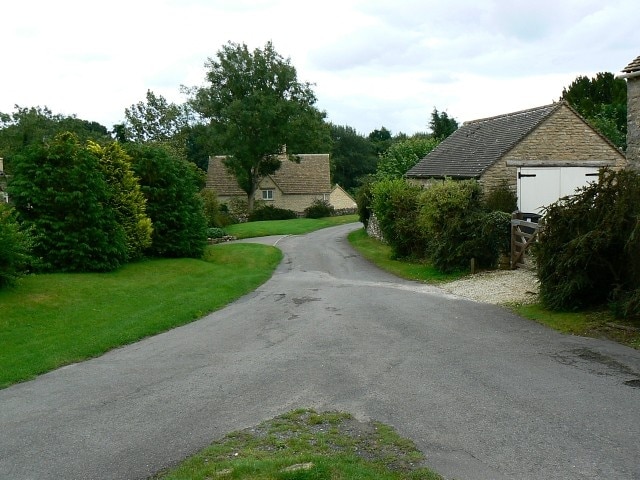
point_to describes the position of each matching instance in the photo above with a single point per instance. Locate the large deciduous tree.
(353, 157)
(403, 155)
(602, 100)
(256, 106)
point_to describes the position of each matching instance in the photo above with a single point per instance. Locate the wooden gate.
(524, 233)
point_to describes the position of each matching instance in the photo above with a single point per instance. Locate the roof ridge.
(519, 112)
(634, 66)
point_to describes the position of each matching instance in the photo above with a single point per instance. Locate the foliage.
(319, 209)
(364, 195)
(216, 214)
(155, 120)
(15, 245)
(587, 252)
(170, 186)
(501, 199)
(441, 125)
(215, 232)
(353, 157)
(381, 140)
(403, 155)
(126, 198)
(270, 212)
(256, 106)
(458, 227)
(381, 255)
(395, 203)
(60, 193)
(602, 100)
(34, 125)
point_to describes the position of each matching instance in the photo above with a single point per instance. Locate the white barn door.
(539, 187)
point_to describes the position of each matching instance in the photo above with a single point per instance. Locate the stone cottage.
(542, 153)
(294, 186)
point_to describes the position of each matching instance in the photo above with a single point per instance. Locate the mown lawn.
(47, 321)
(296, 226)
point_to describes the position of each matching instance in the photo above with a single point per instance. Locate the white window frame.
(267, 194)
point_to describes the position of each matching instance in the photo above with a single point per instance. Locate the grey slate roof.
(478, 144)
(634, 66)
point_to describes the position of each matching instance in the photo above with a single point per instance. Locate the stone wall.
(633, 122)
(373, 228)
(561, 137)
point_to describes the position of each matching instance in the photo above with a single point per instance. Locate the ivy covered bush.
(587, 253)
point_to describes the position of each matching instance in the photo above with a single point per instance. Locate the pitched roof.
(478, 144)
(311, 176)
(634, 66)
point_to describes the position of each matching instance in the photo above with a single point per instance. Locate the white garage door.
(541, 186)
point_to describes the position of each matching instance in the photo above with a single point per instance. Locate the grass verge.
(296, 226)
(303, 444)
(596, 324)
(592, 323)
(51, 320)
(381, 255)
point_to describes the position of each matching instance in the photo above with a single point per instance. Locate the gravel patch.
(498, 286)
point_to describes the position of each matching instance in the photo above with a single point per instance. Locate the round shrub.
(215, 232)
(269, 212)
(319, 209)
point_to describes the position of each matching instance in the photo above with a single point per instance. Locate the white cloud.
(373, 63)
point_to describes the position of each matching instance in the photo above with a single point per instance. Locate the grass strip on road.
(296, 226)
(51, 320)
(303, 444)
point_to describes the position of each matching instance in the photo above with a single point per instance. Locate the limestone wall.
(633, 122)
(561, 137)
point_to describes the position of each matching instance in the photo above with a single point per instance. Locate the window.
(267, 194)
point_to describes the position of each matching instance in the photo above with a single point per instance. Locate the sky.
(371, 63)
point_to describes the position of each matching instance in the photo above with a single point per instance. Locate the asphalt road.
(482, 392)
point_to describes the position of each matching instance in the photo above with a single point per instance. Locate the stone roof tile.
(634, 66)
(478, 144)
(311, 176)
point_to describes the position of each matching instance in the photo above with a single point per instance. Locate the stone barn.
(542, 153)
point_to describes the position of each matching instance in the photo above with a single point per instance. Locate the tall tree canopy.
(27, 126)
(256, 106)
(602, 100)
(403, 155)
(352, 157)
(177, 125)
(441, 125)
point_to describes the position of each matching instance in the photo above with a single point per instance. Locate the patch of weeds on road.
(303, 444)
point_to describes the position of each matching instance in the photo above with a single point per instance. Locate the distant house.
(632, 73)
(543, 154)
(294, 186)
(340, 199)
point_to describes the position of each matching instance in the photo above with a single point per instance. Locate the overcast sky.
(373, 63)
